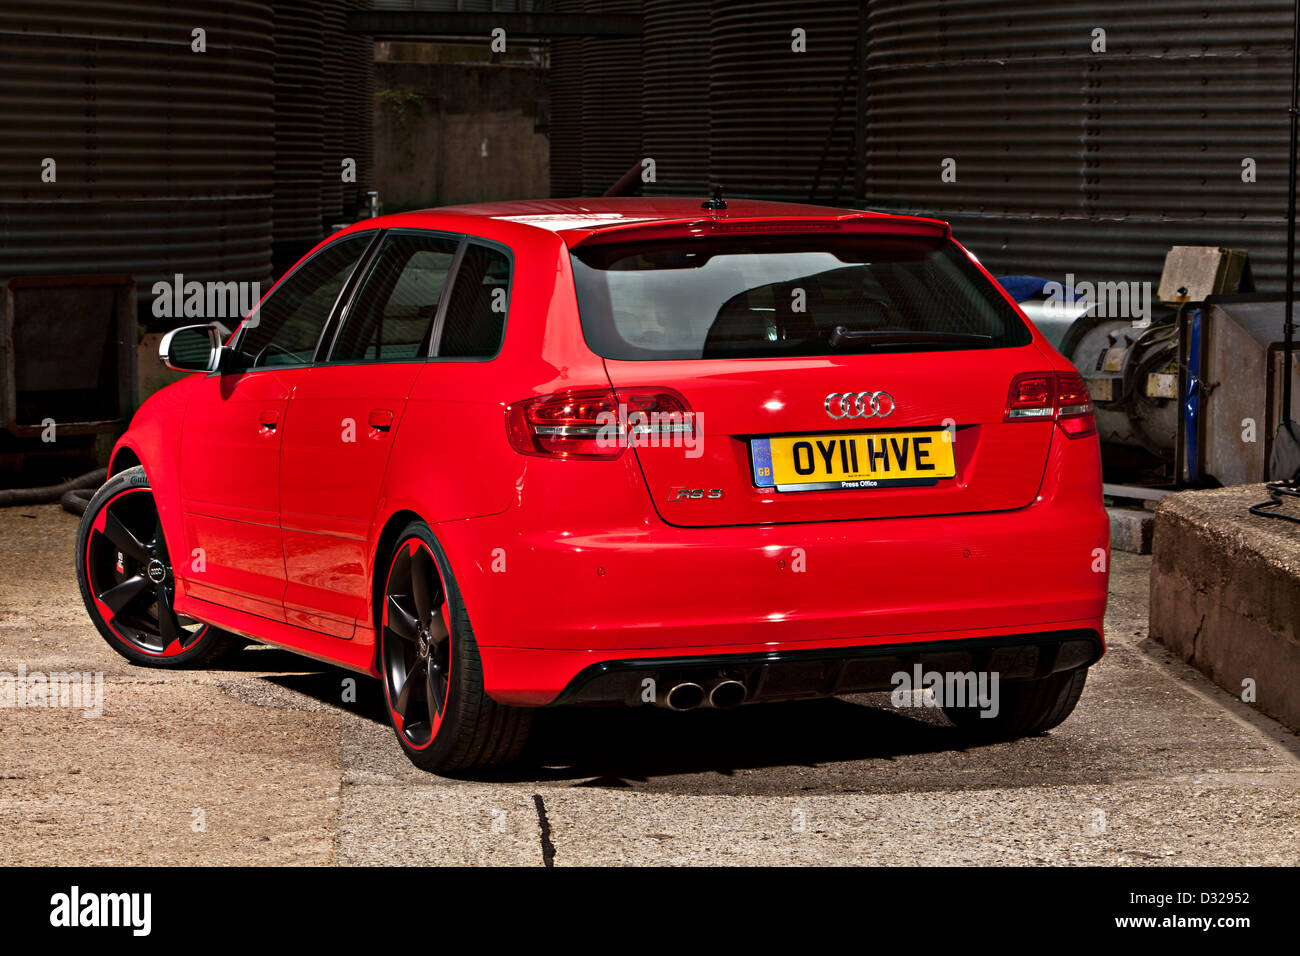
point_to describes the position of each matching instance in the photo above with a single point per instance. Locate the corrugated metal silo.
(299, 117)
(358, 115)
(163, 154)
(1070, 160)
(675, 99)
(565, 109)
(333, 15)
(611, 101)
(782, 121)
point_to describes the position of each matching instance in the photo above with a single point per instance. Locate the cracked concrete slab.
(1156, 766)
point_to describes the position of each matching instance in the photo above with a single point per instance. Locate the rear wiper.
(844, 336)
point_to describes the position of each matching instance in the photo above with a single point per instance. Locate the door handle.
(269, 419)
(381, 420)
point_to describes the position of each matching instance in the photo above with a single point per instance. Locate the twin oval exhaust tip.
(723, 696)
(727, 694)
(685, 696)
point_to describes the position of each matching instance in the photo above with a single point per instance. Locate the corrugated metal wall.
(565, 108)
(324, 107)
(358, 116)
(467, 6)
(171, 160)
(595, 104)
(163, 155)
(676, 102)
(1069, 160)
(299, 122)
(611, 101)
(333, 16)
(714, 93)
(782, 122)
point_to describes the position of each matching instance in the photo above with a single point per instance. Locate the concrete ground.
(264, 763)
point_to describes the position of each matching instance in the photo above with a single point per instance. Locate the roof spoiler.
(859, 224)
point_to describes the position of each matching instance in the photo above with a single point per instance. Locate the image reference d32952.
(448, 450)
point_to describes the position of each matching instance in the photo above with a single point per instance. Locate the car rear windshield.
(704, 298)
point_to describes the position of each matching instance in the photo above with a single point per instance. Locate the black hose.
(51, 493)
(1276, 489)
(77, 500)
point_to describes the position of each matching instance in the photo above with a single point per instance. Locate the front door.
(232, 438)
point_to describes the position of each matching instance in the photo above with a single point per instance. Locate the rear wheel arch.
(467, 732)
(379, 567)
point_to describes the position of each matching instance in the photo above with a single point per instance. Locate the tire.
(124, 573)
(445, 722)
(1024, 707)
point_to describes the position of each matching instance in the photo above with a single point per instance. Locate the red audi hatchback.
(617, 451)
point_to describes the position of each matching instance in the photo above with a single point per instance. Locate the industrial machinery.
(1130, 366)
(1186, 395)
(1235, 373)
(1132, 376)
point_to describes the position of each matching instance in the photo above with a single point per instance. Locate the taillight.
(1074, 405)
(1059, 396)
(1032, 396)
(597, 424)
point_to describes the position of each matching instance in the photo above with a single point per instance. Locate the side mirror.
(192, 348)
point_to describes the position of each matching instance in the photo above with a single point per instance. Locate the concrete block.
(1131, 529)
(1225, 594)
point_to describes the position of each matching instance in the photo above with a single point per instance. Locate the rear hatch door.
(831, 377)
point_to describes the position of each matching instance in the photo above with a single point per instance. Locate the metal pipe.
(626, 183)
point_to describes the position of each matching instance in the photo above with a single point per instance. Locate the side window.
(476, 312)
(289, 322)
(392, 317)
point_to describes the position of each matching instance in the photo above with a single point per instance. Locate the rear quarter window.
(480, 300)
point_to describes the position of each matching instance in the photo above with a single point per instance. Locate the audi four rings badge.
(859, 405)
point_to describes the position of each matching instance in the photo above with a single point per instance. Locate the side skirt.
(355, 655)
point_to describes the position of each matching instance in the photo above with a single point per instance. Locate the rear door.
(341, 424)
(831, 377)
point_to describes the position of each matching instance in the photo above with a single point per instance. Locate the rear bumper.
(792, 674)
(577, 580)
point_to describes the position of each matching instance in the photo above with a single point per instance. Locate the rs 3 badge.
(691, 494)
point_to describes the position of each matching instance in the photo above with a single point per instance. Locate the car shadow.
(261, 658)
(612, 747)
(618, 746)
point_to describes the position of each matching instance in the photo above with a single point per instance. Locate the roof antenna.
(717, 202)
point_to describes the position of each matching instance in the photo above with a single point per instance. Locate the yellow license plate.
(849, 461)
